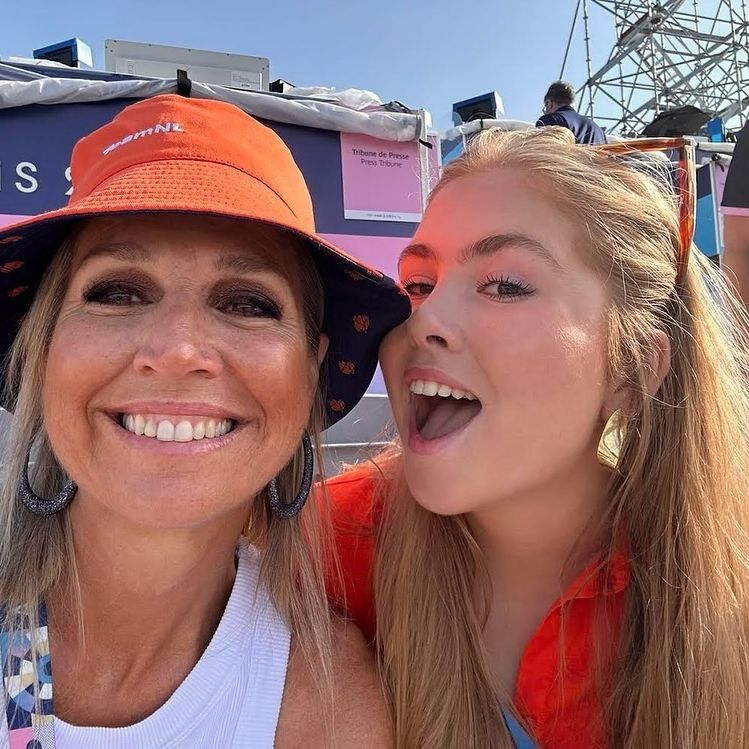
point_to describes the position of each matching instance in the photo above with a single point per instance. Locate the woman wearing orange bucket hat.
(166, 337)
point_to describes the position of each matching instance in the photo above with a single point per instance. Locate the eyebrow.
(226, 261)
(483, 248)
(248, 264)
(128, 253)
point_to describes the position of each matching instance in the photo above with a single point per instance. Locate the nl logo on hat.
(165, 127)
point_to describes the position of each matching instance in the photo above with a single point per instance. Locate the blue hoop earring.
(40, 506)
(287, 511)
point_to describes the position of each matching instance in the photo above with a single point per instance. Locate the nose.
(177, 343)
(434, 323)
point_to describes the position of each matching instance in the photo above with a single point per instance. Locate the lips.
(439, 409)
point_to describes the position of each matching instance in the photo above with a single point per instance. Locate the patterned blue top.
(30, 726)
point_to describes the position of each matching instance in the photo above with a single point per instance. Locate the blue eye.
(503, 288)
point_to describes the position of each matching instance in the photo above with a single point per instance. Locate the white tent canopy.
(308, 111)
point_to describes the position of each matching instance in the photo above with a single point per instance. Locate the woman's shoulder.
(362, 718)
(355, 494)
(359, 714)
(355, 499)
(359, 703)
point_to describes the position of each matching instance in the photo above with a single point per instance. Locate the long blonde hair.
(36, 552)
(678, 677)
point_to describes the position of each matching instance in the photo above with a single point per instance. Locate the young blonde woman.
(561, 536)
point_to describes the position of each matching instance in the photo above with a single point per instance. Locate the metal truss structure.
(668, 55)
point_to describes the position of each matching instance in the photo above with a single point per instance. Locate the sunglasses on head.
(685, 186)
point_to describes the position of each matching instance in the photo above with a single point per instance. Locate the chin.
(437, 493)
(168, 504)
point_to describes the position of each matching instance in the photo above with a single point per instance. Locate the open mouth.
(175, 428)
(440, 410)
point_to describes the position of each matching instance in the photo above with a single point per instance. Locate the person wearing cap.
(177, 336)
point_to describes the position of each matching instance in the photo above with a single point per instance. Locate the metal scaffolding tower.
(667, 55)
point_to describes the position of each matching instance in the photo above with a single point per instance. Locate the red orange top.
(558, 702)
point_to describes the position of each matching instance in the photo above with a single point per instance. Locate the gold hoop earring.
(610, 444)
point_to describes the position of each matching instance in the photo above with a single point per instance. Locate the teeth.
(165, 431)
(183, 432)
(430, 388)
(177, 429)
(140, 424)
(427, 387)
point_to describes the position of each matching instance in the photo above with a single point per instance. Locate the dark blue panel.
(704, 185)
(44, 136)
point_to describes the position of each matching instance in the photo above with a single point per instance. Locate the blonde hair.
(36, 552)
(679, 674)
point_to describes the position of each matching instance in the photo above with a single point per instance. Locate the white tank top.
(232, 697)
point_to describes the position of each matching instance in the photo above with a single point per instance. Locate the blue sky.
(424, 54)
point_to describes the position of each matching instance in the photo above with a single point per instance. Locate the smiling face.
(179, 378)
(506, 344)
